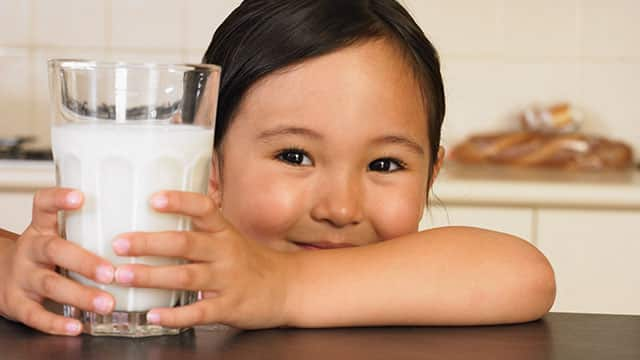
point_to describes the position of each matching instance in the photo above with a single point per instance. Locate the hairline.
(385, 34)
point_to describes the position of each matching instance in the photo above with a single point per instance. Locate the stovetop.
(14, 149)
(35, 154)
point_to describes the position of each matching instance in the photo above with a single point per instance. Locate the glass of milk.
(121, 132)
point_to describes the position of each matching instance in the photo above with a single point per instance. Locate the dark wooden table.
(556, 336)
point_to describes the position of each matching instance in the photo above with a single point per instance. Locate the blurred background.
(499, 57)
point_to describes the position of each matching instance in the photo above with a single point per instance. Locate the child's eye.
(295, 157)
(386, 165)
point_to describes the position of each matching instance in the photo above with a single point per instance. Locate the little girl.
(327, 142)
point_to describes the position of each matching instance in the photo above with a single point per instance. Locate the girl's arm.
(7, 236)
(444, 276)
(7, 239)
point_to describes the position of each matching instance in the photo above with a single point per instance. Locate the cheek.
(262, 207)
(399, 213)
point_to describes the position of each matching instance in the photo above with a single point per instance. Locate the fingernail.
(72, 327)
(153, 318)
(159, 201)
(121, 246)
(102, 304)
(73, 198)
(124, 275)
(104, 274)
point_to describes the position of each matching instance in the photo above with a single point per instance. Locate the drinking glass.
(121, 132)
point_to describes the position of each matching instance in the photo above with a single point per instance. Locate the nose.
(339, 201)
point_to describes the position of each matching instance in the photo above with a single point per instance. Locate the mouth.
(322, 245)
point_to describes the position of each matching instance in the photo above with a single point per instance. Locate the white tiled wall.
(140, 24)
(498, 55)
(502, 55)
(14, 22)
(68, 23)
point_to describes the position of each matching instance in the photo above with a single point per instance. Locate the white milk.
(118, 167)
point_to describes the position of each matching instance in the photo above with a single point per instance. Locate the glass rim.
(87, 64)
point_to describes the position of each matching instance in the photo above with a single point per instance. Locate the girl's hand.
(243, 282)
(27, 269)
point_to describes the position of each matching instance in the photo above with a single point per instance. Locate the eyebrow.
(400, 140)
(292, 130)
(289, 130)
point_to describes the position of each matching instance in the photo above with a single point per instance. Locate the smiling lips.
(323, 245)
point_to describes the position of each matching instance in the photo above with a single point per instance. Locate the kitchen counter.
(556, 336)
(26, 175)
(456, 184)
(535, 187)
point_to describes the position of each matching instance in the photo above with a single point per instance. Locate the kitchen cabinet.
(517, 221)
(19, 181)
(15, 208)
(595, 255)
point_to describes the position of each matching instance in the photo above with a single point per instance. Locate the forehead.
(366, 89)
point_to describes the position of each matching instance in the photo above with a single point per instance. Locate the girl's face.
(330, 153)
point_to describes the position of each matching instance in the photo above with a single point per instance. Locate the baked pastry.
(543, 149)
(559, 118)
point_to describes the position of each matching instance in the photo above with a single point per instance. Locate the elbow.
(548, 287)
(541, 290)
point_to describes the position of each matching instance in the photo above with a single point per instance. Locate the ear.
(437, 165)
(214, 189)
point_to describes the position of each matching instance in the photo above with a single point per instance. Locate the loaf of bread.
(539, 149)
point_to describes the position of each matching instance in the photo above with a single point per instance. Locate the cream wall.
(498, 55)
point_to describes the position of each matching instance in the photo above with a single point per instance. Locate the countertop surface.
(556, 336)
(536, 187)
(456, 185)
(26, 174)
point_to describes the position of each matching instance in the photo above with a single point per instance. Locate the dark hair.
(263, 36)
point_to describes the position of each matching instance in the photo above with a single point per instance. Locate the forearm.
(453, 276)
(5, 234)
(7, 239)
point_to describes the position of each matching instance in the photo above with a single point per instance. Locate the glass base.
(118, 323)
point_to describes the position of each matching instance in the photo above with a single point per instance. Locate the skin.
(333, 196)
(319, 238)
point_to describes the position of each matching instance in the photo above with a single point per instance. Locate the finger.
(199, 313)
(47, 203)
(58, 288)
(55, 250)
(187, 277)
(204, 213)
(36, 316)
(184, 244)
